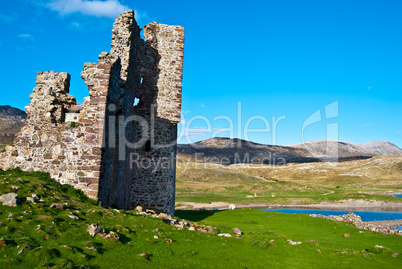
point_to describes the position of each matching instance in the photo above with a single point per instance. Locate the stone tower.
(119, 146)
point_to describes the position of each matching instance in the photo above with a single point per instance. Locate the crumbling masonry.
(119, 146)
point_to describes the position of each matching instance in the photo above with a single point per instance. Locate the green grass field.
(38, 236)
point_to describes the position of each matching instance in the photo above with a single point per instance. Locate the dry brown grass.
(377, 171)
(291, 183)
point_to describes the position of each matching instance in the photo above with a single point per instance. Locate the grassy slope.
(259, 228)
(293, 183)
(62, 242)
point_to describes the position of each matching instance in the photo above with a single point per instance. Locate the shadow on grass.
(195, 215)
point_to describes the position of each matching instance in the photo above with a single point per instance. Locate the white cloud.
(369, 87)
(26, 36)
(365, 125)
(75, 24)
(108, 8)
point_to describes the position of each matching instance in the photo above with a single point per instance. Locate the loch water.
(365, 215)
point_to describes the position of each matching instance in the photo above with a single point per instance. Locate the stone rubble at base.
(357, 221)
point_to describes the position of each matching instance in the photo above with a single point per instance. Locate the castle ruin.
(119, 146)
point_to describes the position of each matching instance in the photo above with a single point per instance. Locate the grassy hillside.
(291, 183)
(38, 236)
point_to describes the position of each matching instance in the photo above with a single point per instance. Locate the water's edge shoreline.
(384, 226)
(349, 204)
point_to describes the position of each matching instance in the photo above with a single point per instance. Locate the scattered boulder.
(225, 235)
(232, 207)
(23, 249)
(168, 240)
(165, 216)
(145, 255)
(179, 226)
(2, 242)
(73, 216)
(346, 235)
(138, 209)
(293, 243)
(112, 235)
(31, 199)
(58, 206)
(15, 188)
(9, 199)
(237, 232)
(94, 229)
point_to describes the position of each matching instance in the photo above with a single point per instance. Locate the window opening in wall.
(136, 101)
(142, 79)
(148, 146)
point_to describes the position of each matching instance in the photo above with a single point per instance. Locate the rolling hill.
(382, 148)
(228, 151)
(11, 120)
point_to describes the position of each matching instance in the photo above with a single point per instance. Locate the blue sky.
(276, 60)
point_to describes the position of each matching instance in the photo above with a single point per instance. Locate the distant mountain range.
(331, 148)
(11, 120)
(230, 151)
(382, 148)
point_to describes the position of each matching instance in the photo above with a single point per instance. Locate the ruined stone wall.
(117, 152)
(160, 103)
(71, 154)
(169, 42)
(151, 72)
(115, 180)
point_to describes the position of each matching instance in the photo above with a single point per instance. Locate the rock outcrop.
(357, 221)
